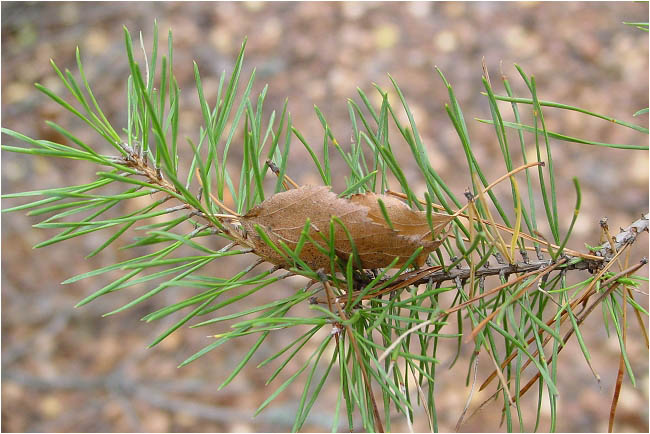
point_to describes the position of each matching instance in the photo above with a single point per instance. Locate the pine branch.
(522, 317)
(135, 159)
(626, 236)
(438, 275)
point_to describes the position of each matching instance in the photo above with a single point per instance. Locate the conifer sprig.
(380, 330)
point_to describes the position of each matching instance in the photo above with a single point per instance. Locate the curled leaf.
(282, 217)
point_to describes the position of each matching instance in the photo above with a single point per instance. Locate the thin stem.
(613, 285)
(357, 352)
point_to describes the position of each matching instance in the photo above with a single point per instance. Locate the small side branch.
(626, 236)
(355, 346)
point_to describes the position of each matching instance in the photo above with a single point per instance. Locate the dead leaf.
(282, 217)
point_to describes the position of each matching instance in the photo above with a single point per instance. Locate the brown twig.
(138, 162)
(357, 352)
(621, 360)
(463, 273)
(625, 236)
(275, 169)
(214, 199)
(469, 397)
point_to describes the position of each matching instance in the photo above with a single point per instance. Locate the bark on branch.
(627, 236)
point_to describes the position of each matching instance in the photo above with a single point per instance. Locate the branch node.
(321, 275)
(274, 168)
(603, 223)
(538, 252)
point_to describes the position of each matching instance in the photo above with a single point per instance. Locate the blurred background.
(66, 369)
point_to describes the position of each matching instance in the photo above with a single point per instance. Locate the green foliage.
(384, 350)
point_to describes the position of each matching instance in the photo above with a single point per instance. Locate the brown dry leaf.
(282, 217)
